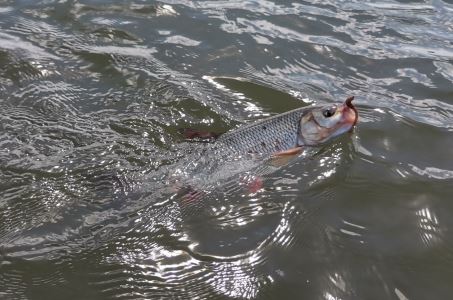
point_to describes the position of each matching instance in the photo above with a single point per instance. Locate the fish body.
(251, 146)
(265, 137)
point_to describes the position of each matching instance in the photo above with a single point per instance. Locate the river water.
(92, 94)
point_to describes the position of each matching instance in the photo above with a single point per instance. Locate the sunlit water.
(92, 94)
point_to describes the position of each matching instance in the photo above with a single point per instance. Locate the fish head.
(326, 122)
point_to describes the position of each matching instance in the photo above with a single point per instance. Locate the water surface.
(92, 94)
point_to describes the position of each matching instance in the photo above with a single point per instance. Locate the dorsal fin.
(195, 135)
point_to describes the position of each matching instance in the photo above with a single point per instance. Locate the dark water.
(92, 94)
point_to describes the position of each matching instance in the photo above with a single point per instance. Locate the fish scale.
(265, 137)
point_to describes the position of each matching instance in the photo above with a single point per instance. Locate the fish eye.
(328, 112)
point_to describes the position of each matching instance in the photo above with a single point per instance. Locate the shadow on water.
(92, 95)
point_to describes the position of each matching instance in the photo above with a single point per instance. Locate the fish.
(242, 150)
(287, 132)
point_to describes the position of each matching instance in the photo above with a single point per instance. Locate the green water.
(92, 94)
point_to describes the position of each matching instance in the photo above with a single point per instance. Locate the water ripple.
(91, 99)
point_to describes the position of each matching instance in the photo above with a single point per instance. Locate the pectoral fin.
(281, 158)
(292, 151)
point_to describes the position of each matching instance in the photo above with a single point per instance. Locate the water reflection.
(197, 273)
(428, 225)
(91, 99)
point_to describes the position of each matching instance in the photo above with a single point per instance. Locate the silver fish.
(241, 150)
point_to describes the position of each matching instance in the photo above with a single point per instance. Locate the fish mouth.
(350, 113)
